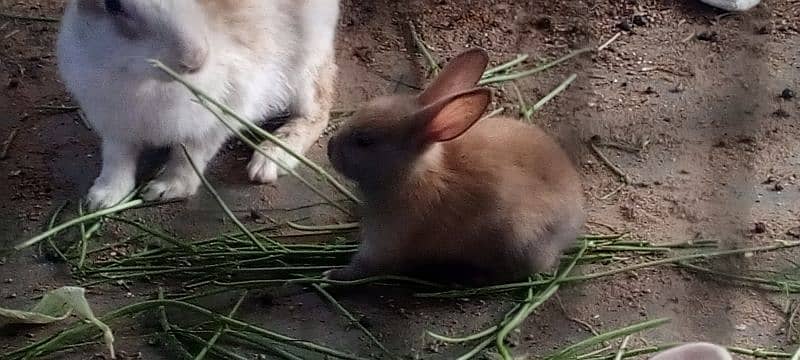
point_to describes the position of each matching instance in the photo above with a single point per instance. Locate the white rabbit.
(260, 57)
(695, 351)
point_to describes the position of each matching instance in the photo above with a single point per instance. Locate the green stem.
(349, 316)
(82, 331)
(558, 90)
(423, 49)
(796, 355)
(50, 225)
(210, 345)
(239, 134)
(570, 351)
(526, 73)
(154, 232)
(533, 303)
(475, 350)
(223, 205)
(336, 227)
(77, 221)
(521, 285)
(272, 138)
(508, 65)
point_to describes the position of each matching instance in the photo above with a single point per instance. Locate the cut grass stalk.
(521, 285)
(532, 303)
(50, 225)
(336, 227)
(211, 342)
(28, 18)
(250, 340)
(155, 232)
(506, 66)
(352, 319)
(774, 285)
(476, 350)
(433, 65)
(622, 347)
(220, 352)
(224, 206)
(77, 221)
(226, 110)
(558, 90)
(239, 134)
(527, 73)
(252, 284)
(627, 353)
(573, 350)
(796, 355)
(760, 353)
(84, 242)
(82, 331)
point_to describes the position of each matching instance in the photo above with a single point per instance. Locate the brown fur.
(503, 199)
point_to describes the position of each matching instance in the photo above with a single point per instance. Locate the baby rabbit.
(695, 351)
(497, 198)
(259, 57)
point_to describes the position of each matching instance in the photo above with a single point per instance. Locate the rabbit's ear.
(450, 117)
(460, 74)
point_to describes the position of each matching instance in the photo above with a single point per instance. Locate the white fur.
(695, 351)
(132, 105)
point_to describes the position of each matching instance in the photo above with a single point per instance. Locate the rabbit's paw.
(341, 274)
(168, 188)
(263, 170)
(102, 196)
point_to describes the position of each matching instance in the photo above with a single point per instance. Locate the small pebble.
(543, 23)
(778, 187)
(765, 29)
(625, 25)
(787, 94)
(781, 113)
(741, 327)
(11, 296)
(794, 232)
(710, 36)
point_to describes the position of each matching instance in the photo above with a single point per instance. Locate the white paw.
(265, 171)
(103, 196)
(170, 188)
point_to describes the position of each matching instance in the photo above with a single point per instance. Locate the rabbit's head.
(120, 35)
(394, 135)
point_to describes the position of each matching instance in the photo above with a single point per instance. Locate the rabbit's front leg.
(377, 255)
(310, 116)
(179, 179)
(117, 178)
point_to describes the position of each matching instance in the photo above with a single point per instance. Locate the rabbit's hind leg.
(310, 116)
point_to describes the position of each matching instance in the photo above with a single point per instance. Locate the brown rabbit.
(501, 200)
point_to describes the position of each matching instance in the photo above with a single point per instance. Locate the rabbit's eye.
(114, 7)
(363, 140)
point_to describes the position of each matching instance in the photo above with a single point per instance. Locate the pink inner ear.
(457, 115)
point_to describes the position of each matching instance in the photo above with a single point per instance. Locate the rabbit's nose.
(193, 60)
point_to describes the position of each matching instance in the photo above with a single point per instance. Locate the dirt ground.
(719, 153)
